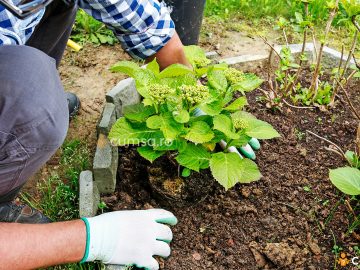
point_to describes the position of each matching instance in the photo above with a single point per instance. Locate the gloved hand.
(129, 237)
(247, 150)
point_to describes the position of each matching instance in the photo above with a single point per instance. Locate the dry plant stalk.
(327, 30)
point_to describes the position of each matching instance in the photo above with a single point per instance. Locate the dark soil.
(170, 189)
(287, 220)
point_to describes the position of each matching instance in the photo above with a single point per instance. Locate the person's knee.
(33, 105)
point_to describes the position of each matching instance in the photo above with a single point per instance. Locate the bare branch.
(328, 141)
(271, 46)
(349, 100)
(297, 107)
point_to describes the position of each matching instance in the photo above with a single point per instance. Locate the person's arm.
(122, 237)
(30, 246)
(171, 53)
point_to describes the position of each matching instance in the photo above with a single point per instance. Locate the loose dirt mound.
(283, 221)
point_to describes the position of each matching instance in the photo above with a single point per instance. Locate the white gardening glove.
(129, 237)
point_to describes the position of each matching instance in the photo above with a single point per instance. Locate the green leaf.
(148, 102)
(224, 124)
(144, 78)
(161, 144)
(166, 123)
(148, 153)
(243, 116)
(138, 112)
(154, 122)
(261, 130)
(250, 83)
(174, 70)
(196, 56)
(181, 117)
(346, 179)
(213, 108)
(154, 67)
(242, 141)
(127, 67)
(238, 104)
(352, 158)
(199, 132)
(186, 172)
(254, 127)
(217, 80)
(125, 133)
(194, 157)
(229, 169)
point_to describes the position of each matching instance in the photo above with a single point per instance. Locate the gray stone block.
(247, 62)
(89, 196)
(212, 55)
(331, 58)
(107, 119)
(105, 165)
(123, 94)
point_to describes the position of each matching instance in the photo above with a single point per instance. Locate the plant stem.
(350, 55)
(356, 63)
(349, 101)
(328, 141)
(335, 85)
(297, 107)
(353, 19)
(313, 86)
(314, 43)
(272, 47)
(302, 49)
(285, 36)
(357, 140)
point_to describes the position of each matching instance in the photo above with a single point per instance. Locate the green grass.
(258, 9)
(59, 193)
(88, 30)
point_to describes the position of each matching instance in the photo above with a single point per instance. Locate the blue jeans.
(33, 108)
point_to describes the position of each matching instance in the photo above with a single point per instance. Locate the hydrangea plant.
(166, 120)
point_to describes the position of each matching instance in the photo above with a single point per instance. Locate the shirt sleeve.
(143, 27)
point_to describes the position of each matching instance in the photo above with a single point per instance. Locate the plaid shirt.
(142, 26)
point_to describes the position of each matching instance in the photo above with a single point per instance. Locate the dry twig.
(328, 141)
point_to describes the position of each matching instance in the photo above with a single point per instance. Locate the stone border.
(103, 178)
(250, 62)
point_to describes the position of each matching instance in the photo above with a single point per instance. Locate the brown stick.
(296, 79)
(353, 46)
(357, 140)
(349, 100)
(272, 47)
(335, 86)
(353, 19)
(328, 141)
(313, 86)
(297, 107)
(314, 43)
(356, 63)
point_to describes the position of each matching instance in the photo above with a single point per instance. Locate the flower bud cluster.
(233, 75)
(160, 92)
(195, 93)
(240, 123)
(201, 62)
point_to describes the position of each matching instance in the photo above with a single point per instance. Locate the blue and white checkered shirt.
(142, 26)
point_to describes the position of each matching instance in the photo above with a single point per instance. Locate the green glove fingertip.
(255, 144)
(247, 152)
(168, 220)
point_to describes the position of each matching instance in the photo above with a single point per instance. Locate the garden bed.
(285, 220)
